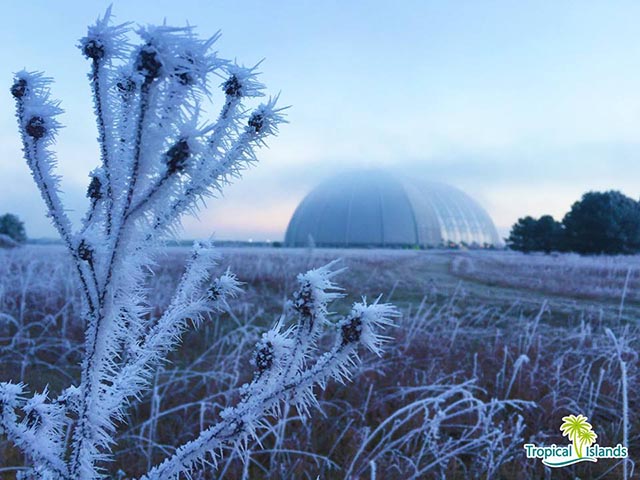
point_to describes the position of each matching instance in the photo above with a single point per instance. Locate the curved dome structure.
(377, 208)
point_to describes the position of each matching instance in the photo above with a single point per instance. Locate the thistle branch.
(273, 385)
(158, 160)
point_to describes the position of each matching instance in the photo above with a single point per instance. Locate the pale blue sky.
(523, 104)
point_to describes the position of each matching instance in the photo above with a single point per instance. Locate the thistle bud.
(263, 357)
(93, 191)
(351, 330)
(148, 63)
(303, 300)
(19, 88)
(85, 252)
(232, 87)
(176, 157)
(35, 127)
(256, 122)
(214, 292)
(125, 86)
(93, 49)
(185, 78)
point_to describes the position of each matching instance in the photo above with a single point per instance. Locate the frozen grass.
(464, 384)
(567, 274)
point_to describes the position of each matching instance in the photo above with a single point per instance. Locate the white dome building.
(374, 208)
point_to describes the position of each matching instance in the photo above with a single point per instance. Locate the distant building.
(374, 208)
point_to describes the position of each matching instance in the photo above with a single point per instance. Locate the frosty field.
(492, 350)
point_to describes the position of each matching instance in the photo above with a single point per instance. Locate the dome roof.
(377, 208)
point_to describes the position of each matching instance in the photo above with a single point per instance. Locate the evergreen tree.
(604, 222)
(549, 234)
(531, 235)
(521, 237)
(13, 227)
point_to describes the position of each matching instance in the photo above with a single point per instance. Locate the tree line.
(12, 227)
(599, 223)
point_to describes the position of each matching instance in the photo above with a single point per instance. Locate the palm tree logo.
(579, 431)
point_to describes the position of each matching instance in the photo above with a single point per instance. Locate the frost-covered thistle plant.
(158, 160)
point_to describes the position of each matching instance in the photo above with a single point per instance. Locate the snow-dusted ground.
(493, 349)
